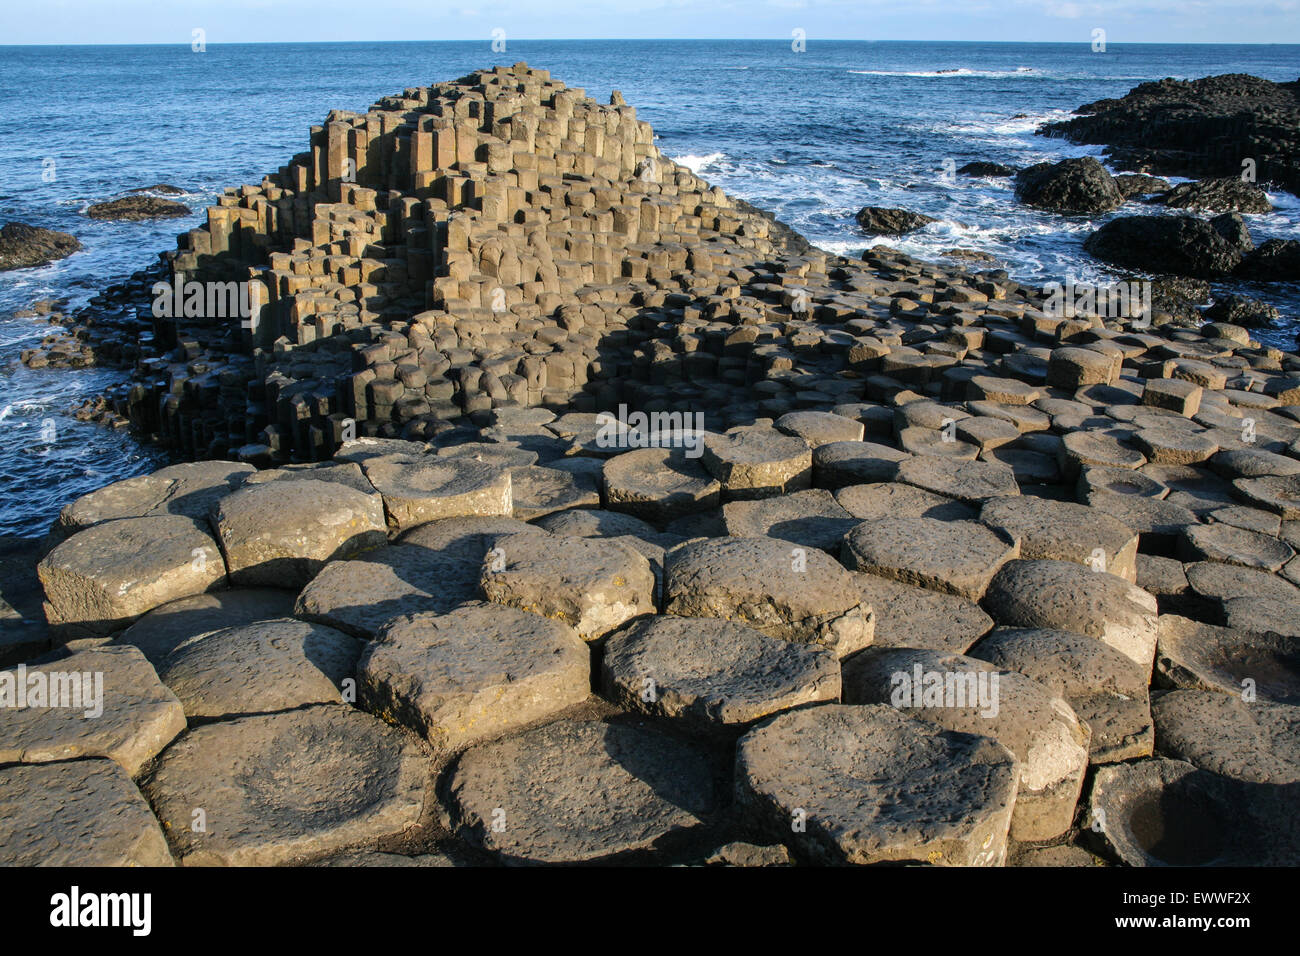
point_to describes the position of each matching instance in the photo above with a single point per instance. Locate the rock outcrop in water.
(138, 208)
(23, 246)
(1213, 126)
(933, 543)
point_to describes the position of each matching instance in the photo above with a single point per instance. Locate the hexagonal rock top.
(169, 625)
(972, 696)
(1258, 742)
(280, 534)
(1229, 545)
(418, 490)
(757, 462)
(573, 792)
(101, 579)
(820, 428)
(710, 672)
(101, 702)
(1064, 531)
(956, 557)
(589, 584)
(908, 616)
(360, 596)
(468, 538)
(968, 481)
(871, 785)
(189, 489)
(1105, 688)
(810, 517)
(1065, 596)
(1278, 494)
(1207, 657)
(786, 591)
(473, 673)
(260, 668)
(659, 484)
(281, 787)
(536, 491)
(79, 813)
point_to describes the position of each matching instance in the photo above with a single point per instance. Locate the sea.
(811, 134)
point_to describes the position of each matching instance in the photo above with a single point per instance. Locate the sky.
(298, 21)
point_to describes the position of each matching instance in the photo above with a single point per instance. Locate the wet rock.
(1074, 186)
(982, 168)
(23, 246)
(1140, 184)
(1181, 245)
(883, 221)
(1218, 195)
(137, 208)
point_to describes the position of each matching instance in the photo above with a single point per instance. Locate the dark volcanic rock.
(1140, 184)
(1242, 310)
(136, 208)
(162, 188)
(878, 220)
(1070, 186)
(1227, 194)
(1277, 260)
(1232, 227)
(1181, 245)
(1205, 127)
(22, 245)
(986, 169)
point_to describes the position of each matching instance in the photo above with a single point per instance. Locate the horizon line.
(781, 40)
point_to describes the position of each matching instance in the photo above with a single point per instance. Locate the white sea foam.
(694, 162)
(1020, 71)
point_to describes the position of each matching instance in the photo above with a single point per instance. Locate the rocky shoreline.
(586, 514)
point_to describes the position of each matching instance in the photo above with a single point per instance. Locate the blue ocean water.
(812, 136)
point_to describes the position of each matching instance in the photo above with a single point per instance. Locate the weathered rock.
(870, 785)
(757, 462)
(278, 788)
(968, 481)
(820, 428)
(281, 534)
(536, 491)
(811, 517)
(1218, 195)
(137, 208)
(98, 818)
(796, 594)
(1279, 494)
(101, 579)
(23, 246)
(882, 221)
(466, 538)
(712, 673)
(1140, 184)
(970, 696)
(1105, 688)
(577, 792)
(982, 168)
(590, 584)
(908, 616)
(840, 463)
(166, 627)
(360, 596)
(260, 668)
(955, 557)
(1256, 741)
(1222, 542)
(1206, 657)
(420, 490)
(473, 673)
(100, 702)
(659, 485)
(1065, 596)
(1063, 531)
(1180, 245)
(1071, 186)
(895, 500)
(1243, 311)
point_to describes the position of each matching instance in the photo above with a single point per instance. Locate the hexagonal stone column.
(1200, 656)
(278, 788)
(100, 702)
(576, 792)
(473, 673)
(260, 668)
(280, 534)
(956, 557)
(101, 579)
(784, 590)
(419, 490)
(1065, 596)
(80, 813)
(589, 584)
(713, 673)
(659, 485)
(757, 462)
(870, 785)
(1257, 741)
(1064, 531)
(972, 696)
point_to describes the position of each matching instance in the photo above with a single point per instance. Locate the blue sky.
(234, 21)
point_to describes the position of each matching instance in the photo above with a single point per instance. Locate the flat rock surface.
(908, 616)
(260, 668)
(173, 623)
(797, 594)
(708, 671)
(1257, 741)
(956, 557)
(867, 784)
(283, 787)
(98, 817)
(418, 490)
(101, 702)
(659, 484)
(1064, 531)
(473, 673)
(968, 481)
(575, 792)
(812, 518)
(1200, 656)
